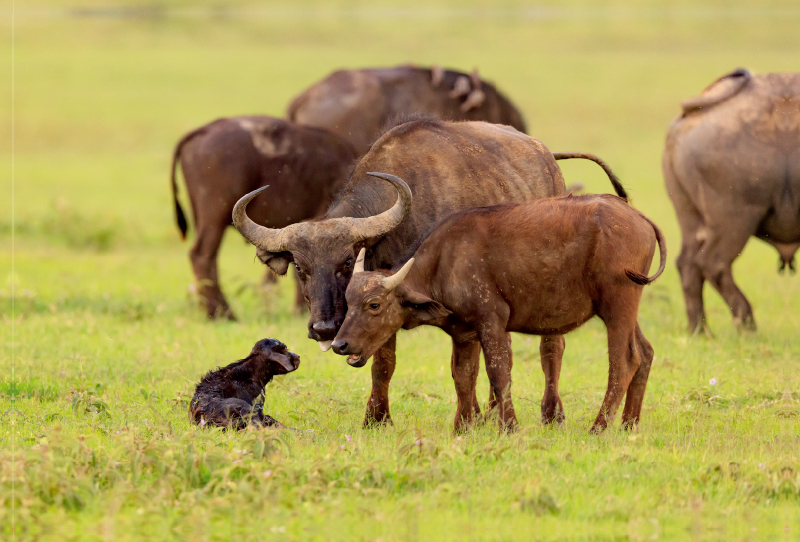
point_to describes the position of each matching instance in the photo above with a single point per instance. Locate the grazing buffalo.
(449, 166)
(732, 168)
(543, 268)
(357, 104)
(228, 397)
(226, 159)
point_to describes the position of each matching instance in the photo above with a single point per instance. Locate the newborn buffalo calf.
(542, 268)
(225, 397)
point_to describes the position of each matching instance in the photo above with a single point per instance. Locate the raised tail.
(639, 278)
(180, 217)
(618, 188)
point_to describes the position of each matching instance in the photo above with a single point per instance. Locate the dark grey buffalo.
(732, 168)
(448, 167)
(224, 160)
(357, 104)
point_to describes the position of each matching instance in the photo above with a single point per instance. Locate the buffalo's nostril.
(340, 347)
(321, 327)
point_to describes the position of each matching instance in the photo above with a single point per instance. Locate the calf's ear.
(277, 261)
(282, 361)
(423, 307)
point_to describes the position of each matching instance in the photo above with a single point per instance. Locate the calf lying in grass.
(226, 397)
(542, 268)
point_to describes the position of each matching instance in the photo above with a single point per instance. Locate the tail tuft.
(181, 218)
(638, 278)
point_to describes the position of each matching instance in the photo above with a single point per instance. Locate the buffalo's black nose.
(324, 331)
(340, 347)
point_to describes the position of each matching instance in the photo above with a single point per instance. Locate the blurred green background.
(102, 92)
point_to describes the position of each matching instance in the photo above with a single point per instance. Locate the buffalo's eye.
(348, 263)
(374, 306)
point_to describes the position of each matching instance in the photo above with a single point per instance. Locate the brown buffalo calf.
(542, 268)
(227, 397)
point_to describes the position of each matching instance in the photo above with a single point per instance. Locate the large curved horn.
(266, 239)
(393, 281)
(359, 267)
(378, 225)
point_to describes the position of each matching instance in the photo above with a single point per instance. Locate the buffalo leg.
(204, 263)
(716, 259)
(383, 363)
(464, 365)
(551, 351)
(492, 403)
(692, 283)
(233, 413)
(635, 396)
(496, 345)
(691, 224)
(270, 277)
(624, 362)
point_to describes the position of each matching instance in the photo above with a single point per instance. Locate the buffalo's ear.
(423, 307)
(277, 261)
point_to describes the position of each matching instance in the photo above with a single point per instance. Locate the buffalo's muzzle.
(323, 331)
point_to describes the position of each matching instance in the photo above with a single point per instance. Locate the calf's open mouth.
(357, 360)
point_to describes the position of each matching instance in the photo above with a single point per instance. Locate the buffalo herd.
(407, 196)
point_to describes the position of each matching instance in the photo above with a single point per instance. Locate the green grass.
(108, 340)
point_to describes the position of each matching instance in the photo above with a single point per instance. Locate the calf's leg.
(464, 365)
(383, 363)
(624, 361)
(498, 357)
(551, 351)
(636, 389)
(492, 402)
(233, 413)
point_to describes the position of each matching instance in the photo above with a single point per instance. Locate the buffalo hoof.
(371, 422)
(702, 329)
(744, 325)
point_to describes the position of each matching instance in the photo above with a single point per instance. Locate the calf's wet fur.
(228, 397)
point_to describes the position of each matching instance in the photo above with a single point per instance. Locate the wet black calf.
(227, 397)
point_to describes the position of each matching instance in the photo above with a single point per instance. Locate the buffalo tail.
(618, 188)
(644, 280)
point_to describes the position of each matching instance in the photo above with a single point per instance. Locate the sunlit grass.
(110, 341)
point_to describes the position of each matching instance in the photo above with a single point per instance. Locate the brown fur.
(221, 162)
(542, 268)
(357, 103)
(449, 166)
(228, 397)
(732, 170)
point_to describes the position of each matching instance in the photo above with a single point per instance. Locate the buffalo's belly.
(538, 312)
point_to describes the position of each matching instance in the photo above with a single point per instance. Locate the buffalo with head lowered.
(447, 167)
(357, 104)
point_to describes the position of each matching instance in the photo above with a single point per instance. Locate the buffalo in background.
(358, 104)
(224, 160)
(732, 169)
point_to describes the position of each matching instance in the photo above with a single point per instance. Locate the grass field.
(108, 340)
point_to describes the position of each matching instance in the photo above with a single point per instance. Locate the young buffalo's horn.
(359, 267)
(393, 281)
(267, 239)
(378, 225)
